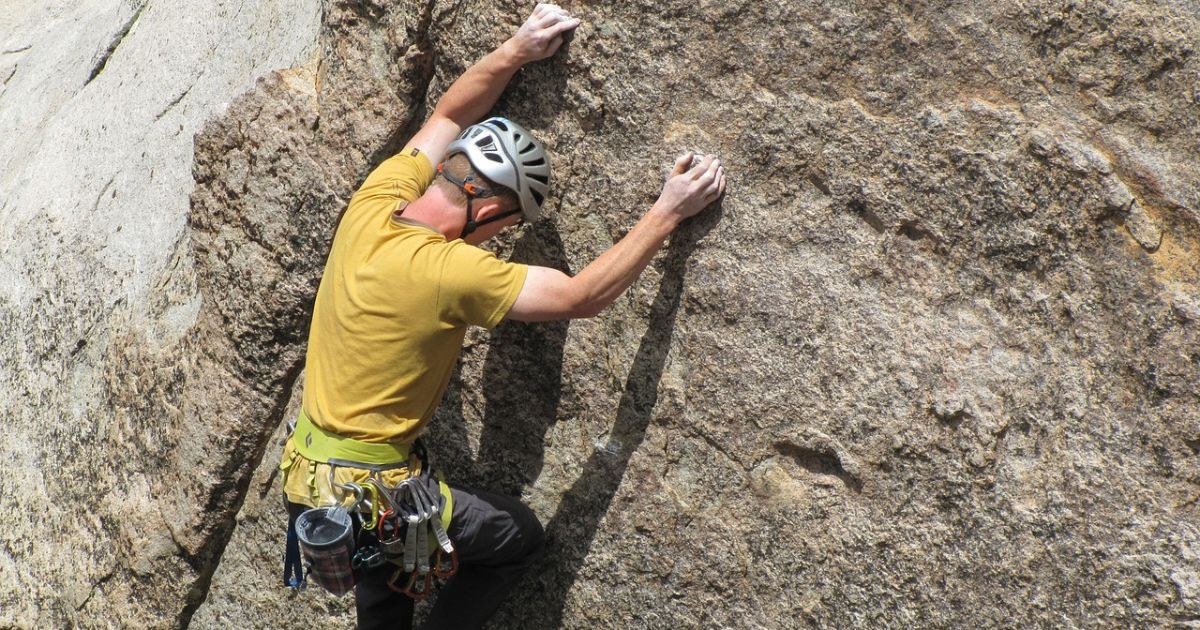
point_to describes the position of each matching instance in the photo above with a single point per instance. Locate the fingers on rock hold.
(561, 27)
(682, 163)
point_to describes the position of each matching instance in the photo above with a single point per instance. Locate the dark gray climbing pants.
(497, 538)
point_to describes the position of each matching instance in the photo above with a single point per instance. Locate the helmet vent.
(509, 155)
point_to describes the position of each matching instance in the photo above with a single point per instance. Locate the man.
(402, 283)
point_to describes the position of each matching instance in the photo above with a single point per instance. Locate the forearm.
(476, 91)
(607, 277)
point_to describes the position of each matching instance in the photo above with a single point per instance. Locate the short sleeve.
(400, 177)
(477, 288)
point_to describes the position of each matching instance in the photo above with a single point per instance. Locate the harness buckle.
(368, 557)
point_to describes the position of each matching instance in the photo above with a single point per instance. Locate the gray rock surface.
(99, 101)
(932, 363)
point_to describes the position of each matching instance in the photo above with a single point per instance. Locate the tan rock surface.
(932, 363)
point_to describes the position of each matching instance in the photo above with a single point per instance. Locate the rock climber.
(403, 280)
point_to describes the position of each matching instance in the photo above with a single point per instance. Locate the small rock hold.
(952, 411)
(1040, 143)
(931, 118)
(1188, 583)
(1186, 307)
(1142, 229)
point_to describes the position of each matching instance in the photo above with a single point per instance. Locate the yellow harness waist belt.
(319, 445)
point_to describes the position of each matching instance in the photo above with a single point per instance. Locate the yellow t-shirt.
(390, 315)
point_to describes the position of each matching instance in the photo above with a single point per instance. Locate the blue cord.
(293, 570)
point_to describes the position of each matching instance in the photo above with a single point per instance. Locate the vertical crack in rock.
(115, 43)
(427, 69)
(270, 183)
(211, 557)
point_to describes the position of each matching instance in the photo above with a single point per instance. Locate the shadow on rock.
(573, 527)
(522, 381)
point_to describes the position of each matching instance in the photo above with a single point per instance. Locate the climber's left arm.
(474, 93)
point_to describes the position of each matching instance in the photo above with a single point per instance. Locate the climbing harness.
(404, 524)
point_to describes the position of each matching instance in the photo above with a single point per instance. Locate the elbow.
(587, 310)
(583, 304)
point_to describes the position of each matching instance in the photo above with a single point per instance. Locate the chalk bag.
(327, 545)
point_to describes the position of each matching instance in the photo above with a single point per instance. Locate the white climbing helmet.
(506, 153)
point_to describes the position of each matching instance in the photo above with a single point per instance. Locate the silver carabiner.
(351, 487)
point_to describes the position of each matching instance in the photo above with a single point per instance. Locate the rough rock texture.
(99, 102)
(932, 363)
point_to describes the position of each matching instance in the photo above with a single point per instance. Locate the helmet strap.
(502, 215)
(472, 192)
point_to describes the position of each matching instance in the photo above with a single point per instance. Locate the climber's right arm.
(550, 294)
(475, 92)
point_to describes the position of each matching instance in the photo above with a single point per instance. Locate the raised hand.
(542, 34)
(690, 188)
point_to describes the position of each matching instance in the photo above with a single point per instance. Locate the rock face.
(102, 520)
(933, 362)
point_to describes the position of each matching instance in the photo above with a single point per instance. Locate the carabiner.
(417, 589)
(374, 506)
(367, 557)
(440, 568)
(388, 528)
(352, 487)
